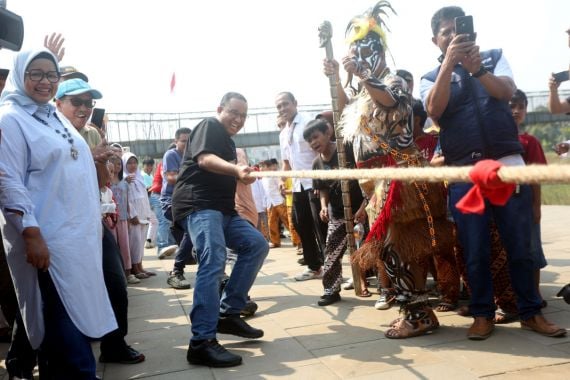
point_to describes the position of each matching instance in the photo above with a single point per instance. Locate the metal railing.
(130, 127)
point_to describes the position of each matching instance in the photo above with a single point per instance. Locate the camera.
(11, 29)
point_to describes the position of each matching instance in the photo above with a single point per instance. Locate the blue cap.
(75, 87)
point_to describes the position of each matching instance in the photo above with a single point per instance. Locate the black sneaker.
(328, 299)
(212, 354)
(127, 356)
(249, 309)
(234, 325)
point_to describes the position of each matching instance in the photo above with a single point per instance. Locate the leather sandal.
(402, 328)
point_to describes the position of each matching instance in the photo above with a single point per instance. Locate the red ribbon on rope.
(487, 185)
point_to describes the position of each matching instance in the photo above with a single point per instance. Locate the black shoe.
(234, 325)
(301, 261)
(249, 309)
(328, 299)
(127, 356)
(212, 354)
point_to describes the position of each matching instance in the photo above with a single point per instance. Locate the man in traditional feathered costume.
(408, 220)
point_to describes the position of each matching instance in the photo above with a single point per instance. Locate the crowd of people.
(78, 212)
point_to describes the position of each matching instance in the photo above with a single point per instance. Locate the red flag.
(172, 82)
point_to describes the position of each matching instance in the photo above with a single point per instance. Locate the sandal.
(442, 307)
(150, 274)
(141, 275)
(409, 328)
(503, 317)
(364, 294)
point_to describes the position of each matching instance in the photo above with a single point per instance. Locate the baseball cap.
(70, 72)
(75, 87)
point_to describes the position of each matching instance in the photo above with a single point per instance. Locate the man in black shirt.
(203, 202)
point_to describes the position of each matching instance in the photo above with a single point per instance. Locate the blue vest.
(474, 125)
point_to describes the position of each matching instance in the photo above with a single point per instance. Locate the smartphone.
(464, 25)
(562, 76)
(97, 117)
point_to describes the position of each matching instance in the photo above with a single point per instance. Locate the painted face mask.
(367, 39)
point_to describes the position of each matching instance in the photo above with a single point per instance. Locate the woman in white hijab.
(50, 198)
(140, 213)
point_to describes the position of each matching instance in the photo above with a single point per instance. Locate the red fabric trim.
(380, 226)
(487, 185)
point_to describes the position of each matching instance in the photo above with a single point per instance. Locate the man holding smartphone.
(556, 106)
(468, 95)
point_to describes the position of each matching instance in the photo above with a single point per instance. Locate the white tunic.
(59, 195)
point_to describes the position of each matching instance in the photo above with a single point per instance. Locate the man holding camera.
(468, 96)
(555, 106)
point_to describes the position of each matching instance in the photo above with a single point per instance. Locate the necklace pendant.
(74, 153)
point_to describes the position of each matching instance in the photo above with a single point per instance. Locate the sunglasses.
(78, 102)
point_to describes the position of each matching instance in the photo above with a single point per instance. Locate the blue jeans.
(536, 247)
(514, 224)
(211, 232)
(163, 236)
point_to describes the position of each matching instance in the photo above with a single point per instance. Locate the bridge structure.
(150, 134)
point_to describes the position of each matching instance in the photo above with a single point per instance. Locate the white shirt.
(59, 195)
(271, 187)
(297, 151)
(259, 196)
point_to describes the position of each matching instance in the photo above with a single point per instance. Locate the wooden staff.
(325, 35)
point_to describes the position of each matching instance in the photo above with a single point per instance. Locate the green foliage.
(558, 194)
(549, 134)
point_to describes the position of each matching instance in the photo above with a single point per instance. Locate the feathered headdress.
(369, 22)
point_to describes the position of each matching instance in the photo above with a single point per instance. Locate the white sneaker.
(167, 251)
(385, 301)
(131, 279)
(349, 285)
(309, 275)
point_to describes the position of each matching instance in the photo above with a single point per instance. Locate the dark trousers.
(65, 353)
(8, 299)
(21, 357)
(116, 284)
(305, 226)
(320, 228)
(183, 253)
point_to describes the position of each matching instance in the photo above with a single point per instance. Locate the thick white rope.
(512, 174)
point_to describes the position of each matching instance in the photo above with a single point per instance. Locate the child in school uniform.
(318, 134)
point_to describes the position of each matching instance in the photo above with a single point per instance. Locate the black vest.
(474, 125)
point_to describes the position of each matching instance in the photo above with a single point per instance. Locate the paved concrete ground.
(344, 340)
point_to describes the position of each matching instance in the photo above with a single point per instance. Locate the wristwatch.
(482, 71)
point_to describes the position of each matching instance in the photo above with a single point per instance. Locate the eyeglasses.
(38, 75)
(77, 102)
(237, 114)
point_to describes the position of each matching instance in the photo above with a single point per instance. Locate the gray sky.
(130, 48)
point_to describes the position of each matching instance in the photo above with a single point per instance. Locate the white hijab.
(15, 91)
(139, 181)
